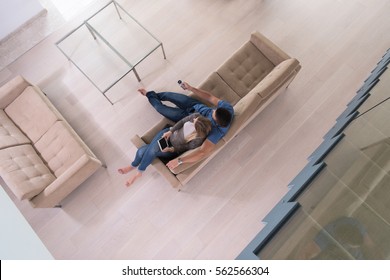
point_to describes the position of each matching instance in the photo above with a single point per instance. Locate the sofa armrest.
(11, 90)
(137, 141)
(68, 181)
(149, 135)
(268, 48)
(166, 173)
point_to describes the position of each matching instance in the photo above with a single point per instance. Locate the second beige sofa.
(250, 79)
(42, 159)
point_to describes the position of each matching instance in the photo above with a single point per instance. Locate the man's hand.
(205, 95)
(185, 86)
(195, 155)
(172, 164)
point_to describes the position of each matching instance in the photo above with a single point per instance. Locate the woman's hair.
(202, 128)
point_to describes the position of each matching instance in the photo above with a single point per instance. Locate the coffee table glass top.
(108, 45)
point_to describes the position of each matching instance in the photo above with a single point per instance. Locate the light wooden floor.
(221, 209)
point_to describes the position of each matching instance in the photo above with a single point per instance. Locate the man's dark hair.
(223, 117)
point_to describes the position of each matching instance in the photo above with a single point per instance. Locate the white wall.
(15, 13)
(18, 241)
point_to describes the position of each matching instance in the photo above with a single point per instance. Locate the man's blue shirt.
(217, 132)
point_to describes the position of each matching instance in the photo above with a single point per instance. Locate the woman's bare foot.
(142, 91)
(133, 178)
(125, 169)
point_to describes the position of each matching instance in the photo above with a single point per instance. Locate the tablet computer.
(163, 143)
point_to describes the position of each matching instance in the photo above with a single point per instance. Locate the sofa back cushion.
(245, 69)
(59, 148)
(31, 113)
(219, 88)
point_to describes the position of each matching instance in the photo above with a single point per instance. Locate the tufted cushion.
(30, 112)
(219, 88)
(59, 148)
(10, 135)
(23, 171)
(245, 69)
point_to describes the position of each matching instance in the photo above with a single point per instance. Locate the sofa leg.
(291, 79)
(58, 206)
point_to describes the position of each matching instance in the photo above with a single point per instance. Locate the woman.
(187, 134)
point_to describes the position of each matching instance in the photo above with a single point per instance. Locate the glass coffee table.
(108, 45)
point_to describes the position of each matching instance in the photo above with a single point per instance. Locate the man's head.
(222, 117)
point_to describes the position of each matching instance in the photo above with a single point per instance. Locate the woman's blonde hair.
(202, 128)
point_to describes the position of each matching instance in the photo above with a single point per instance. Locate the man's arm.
(199, 154)
(205, 95)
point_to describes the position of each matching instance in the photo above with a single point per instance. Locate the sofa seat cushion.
(31, 113)
(244, 111)
(59, 148)
(10, 134)
(23, 171)
(278, 77)
(245, 69)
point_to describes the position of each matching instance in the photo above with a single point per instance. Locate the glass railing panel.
(344, 211)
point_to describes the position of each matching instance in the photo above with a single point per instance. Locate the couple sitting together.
(197, 125)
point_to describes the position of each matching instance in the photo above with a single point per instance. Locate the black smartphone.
(163, 143)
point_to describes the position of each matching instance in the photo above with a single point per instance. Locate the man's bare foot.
(142, 91)
(125, 169)
(132, 179)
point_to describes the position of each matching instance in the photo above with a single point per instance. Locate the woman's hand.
(169, 150)
(167, 134)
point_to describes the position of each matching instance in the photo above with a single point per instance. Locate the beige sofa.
(250, 79)
(42, 159)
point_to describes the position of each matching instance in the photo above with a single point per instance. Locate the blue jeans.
(183, 102)
(146, 154)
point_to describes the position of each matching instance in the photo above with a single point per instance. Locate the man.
(221, 116)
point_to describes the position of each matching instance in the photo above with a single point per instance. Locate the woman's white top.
(188, 129)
